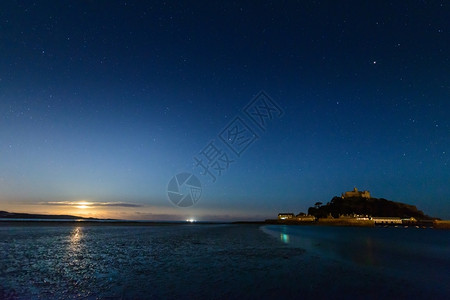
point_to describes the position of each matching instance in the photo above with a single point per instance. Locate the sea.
(72, 260)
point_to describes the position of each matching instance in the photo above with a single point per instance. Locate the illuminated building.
(356, 193)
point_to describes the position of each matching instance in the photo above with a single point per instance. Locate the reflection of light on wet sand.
(284, 238)
(75, 240)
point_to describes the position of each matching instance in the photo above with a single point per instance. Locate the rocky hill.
(375, 207)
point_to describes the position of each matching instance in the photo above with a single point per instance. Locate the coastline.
(435, 224)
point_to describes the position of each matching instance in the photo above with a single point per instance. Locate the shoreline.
(436, 224)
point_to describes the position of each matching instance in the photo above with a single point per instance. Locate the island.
(358, 208)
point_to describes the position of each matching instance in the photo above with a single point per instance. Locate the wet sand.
(177, 262)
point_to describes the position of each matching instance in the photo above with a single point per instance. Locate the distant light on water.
(191, 220)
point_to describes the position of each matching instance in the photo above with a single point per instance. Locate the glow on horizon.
(84, 205)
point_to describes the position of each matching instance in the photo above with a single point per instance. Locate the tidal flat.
(220, 261)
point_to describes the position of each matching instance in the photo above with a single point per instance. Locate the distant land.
(11, 215)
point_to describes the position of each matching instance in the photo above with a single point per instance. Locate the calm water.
(417, 259)
(222, 262)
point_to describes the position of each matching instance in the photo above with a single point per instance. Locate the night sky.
(103, 102)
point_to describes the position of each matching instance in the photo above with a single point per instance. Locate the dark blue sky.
(103, 102)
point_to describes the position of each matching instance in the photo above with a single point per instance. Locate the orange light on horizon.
(83, 204)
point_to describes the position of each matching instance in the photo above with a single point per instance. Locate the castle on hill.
(356, 193)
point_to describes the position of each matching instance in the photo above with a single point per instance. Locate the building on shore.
(286, 216)
(305, 218)
(355, 220)
(356, 193)
(355, 217)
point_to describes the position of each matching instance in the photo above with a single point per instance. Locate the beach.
(214, 261)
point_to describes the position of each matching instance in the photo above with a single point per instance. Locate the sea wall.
(441, 224)
(346, 222)
(325, 221)
(290, 222)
